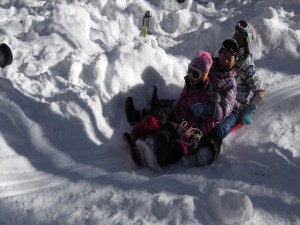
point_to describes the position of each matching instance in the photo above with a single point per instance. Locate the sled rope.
(191, 135)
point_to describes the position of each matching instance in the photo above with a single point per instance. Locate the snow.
(222, 204)
(62, 159)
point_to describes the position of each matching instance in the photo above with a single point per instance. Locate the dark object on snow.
(147, 23)
(213, 143)
(132, 148)
(180, 1)
(6, 56)
(132, 115)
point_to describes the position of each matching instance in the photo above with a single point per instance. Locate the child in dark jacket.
(205, 101)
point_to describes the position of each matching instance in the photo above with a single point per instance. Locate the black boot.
(213, 143)
(152, 100)
(132, 148)
(132, 115)
(152, 103)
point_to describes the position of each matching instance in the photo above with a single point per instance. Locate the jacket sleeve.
(220, 110)
(258, 91)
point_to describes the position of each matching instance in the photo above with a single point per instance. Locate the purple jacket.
(219, 93)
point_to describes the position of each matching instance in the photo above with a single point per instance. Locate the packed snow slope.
(62, 160)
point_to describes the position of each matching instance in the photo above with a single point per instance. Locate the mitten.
(200, 109)
(248, 114)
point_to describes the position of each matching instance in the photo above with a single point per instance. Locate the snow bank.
(230, 206)
(62, 160)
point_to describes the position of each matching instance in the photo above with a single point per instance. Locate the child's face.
(194, 82)
(196, 75)
(226, 59)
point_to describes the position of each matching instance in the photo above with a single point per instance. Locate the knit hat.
(6, 56)
(247, 30)
(230, 45)
(202, 61)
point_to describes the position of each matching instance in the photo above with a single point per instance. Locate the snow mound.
(159, 209)
(230, 206)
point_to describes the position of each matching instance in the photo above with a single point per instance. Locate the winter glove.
(248, 114)
(200, 109)
(215, 97)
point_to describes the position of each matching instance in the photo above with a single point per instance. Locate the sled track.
(289, 90)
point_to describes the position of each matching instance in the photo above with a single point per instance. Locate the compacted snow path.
(62, 159)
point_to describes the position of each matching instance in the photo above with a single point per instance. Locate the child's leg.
(222, 129)
(154, 104)
(133, 115)
(169, 153)
(162, 142)
(145, 127)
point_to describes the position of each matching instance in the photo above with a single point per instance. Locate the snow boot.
(213, 143)
(152, 101)
(147, 155)
(132, 115)
(132, 148)
(202, 158)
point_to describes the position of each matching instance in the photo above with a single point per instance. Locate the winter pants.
(168, 148)
(222, 129)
